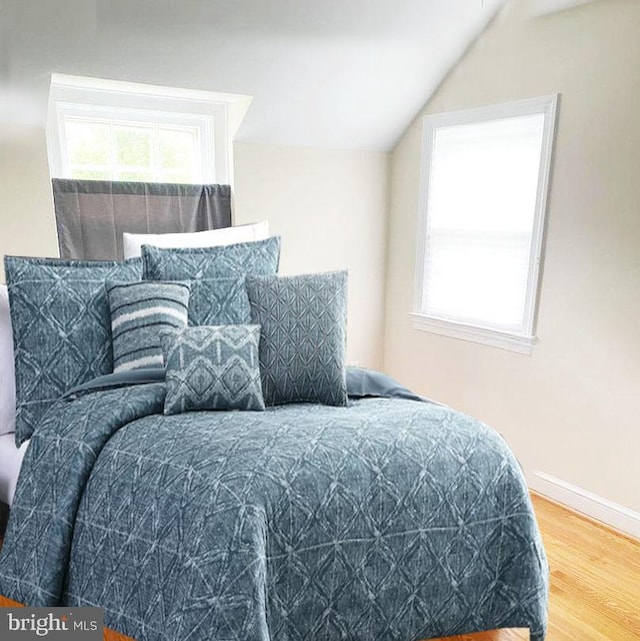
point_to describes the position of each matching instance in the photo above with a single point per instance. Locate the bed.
(249, 485)
(389, 518)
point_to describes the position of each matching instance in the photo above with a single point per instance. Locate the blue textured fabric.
(117, 381)
(361, 383)
(61, 328)
(218, 295)
(387, 519)
(212, 368)
(303, 337)
(139, 312)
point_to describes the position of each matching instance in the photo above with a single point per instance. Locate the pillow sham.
(212, 368)
(218, 295)
(303, 336)
(138, 312)
(61, 328)
(7, 368)
(218, 301)
(132, 243)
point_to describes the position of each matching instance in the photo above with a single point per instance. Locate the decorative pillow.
(212, 238)
(218, 295)
(61, 328)
(212, 368)
(7, 368)
(218, 301)
(139, 311)
(303, 336)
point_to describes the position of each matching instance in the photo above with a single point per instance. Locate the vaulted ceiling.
(333, 73)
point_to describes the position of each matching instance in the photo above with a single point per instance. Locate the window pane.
(134, 145)
(178, 149)
(478, 277)
(177, 178)
(138, 176)
(91, 174)
(485, 175)
(87, 142)
(480, 214)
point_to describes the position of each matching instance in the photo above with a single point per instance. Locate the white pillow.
(212, 238)
(10, 463)
(7, 369)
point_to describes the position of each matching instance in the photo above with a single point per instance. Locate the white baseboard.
(617, 516)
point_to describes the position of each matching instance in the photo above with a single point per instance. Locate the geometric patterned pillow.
(303, 336)
(218, 301)
(218, 295)
(61, 328)
(212, 368)
(139, 311)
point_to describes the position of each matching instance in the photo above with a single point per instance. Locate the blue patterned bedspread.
(387, 520)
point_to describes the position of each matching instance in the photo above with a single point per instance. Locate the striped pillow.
(138, 312)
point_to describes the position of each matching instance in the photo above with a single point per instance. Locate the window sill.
(504, 340)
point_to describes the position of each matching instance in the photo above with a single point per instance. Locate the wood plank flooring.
(595, 577)
(595, 581)
(495, 635)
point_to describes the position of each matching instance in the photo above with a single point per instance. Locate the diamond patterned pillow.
(218, 295)
(212, 368)
(61, 328)
(302, 342)
(138, 312)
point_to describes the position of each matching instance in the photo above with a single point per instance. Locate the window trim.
(94, 97)
(521, 342)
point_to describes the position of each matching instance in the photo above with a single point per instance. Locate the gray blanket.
(389, 519)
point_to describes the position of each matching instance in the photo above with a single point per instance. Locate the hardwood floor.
(495, 635)
(595, 577)
(595, 581)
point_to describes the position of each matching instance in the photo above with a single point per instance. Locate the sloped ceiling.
(346, 74)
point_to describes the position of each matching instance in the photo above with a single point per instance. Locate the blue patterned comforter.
(387, 520)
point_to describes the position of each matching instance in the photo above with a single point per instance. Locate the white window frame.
(110, 100)
(518, 342)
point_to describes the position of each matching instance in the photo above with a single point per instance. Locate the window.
(482, 204)
(120, 148)
(108, 130)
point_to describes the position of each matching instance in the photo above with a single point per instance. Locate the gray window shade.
(92, 215)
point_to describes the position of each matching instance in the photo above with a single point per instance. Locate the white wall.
(330, 207)
(27, 225)
(572, 408)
